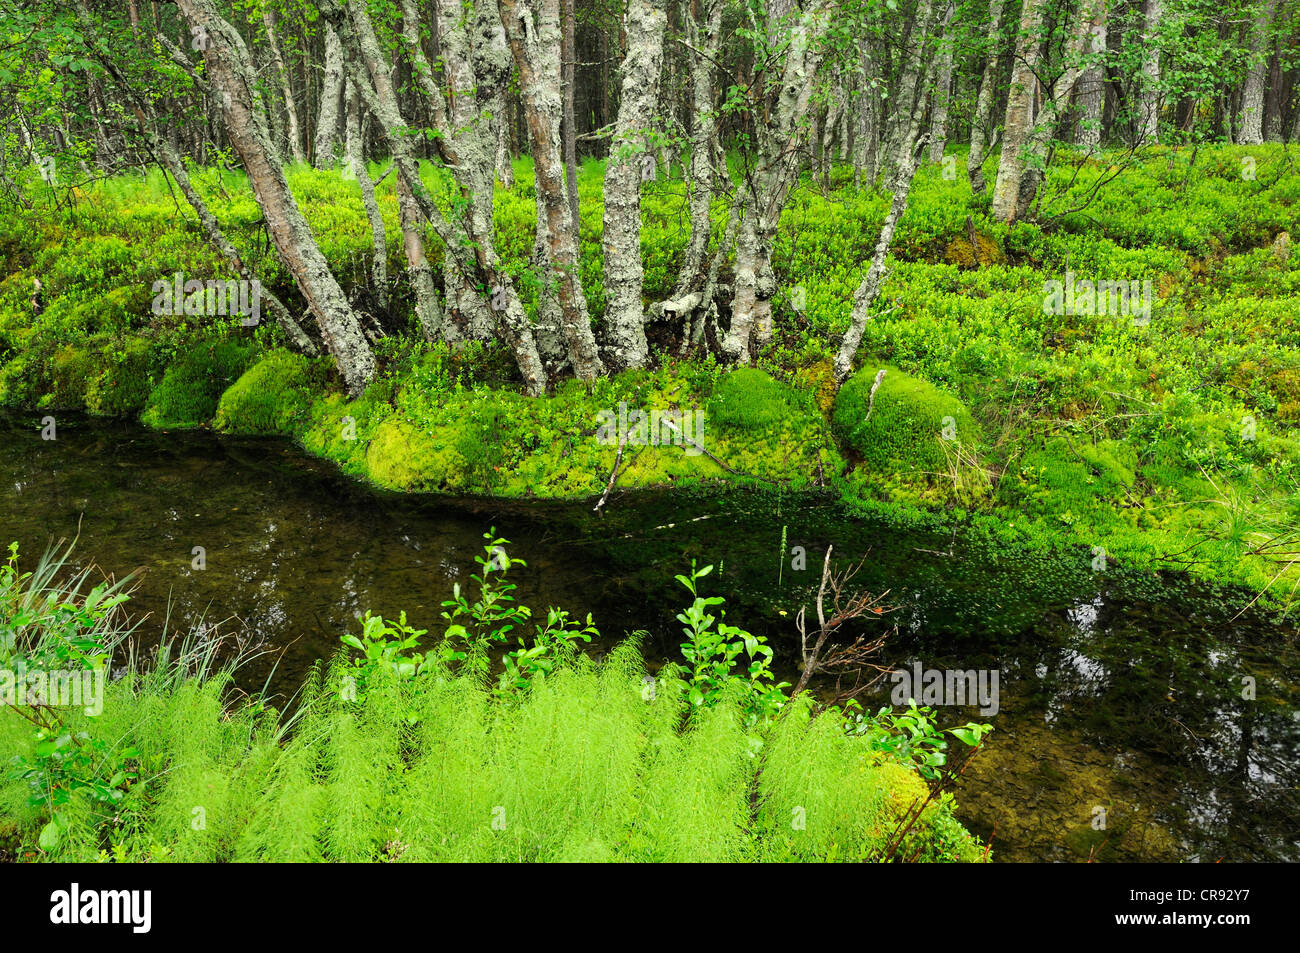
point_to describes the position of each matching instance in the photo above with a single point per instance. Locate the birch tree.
(230, 71)
(331, 95)
(1251, 119)
(1150, 97)
(476, 259)
(1024, 151)
(982, 137)
(790, 55)
(642, 64)
(534, 36)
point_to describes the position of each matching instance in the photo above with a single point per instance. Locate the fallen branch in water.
(613, 474)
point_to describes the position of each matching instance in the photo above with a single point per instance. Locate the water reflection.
(1123, 697)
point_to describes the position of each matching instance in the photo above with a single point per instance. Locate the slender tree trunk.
(1020, 112)
(942, 94)
(1252, 94)
(286, 89)
(1090, 96)
(1149, 110)
(534, 37)
(869, 288)
(624, 319)
(910, 92)
(172, 161)
(1033, 153)
(378, 235)
(230, 70)
(569, 58)
(981, 143)
(428, 311)
(764, 190)
(367, 68)
(331, 94)
(703, 31)
(866, 144)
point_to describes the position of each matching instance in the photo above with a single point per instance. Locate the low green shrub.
(273, 396)
(188, 394)
(126, 382)
(907, 424)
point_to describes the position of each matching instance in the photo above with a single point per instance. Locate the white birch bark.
(982, 138)
(1251, 122)
(1149, 101)
(1020, 111)
(230, 71)
(534, 36)
(625, 340)
(331, 95)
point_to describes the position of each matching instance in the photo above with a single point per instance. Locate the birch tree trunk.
(474, 68)
(366, 66)
(942, 94)
(1033, 153)
(766, 187)
(909, 91)
(1020, 112)
(624, 318)
(1149, 110)
(331, 94)
(981, 143)
(428, 311)
(1251, 122)
(703, 33)
(378, 235)
(866, 144)
(569, 90)
(286, 88)
(1090, 96)
(172, 161)
(869, 288)
(534, 38)
(230, 71)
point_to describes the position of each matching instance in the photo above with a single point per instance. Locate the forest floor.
(1166, 433)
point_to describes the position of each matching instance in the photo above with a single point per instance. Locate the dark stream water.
(1118, 690)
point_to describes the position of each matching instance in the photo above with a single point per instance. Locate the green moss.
(188, 394)
(72, 370)
(272, 396)
(749, 399)
(402, 457)
(123, 387)
(907, 425)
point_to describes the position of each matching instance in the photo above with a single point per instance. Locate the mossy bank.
(1172, 442)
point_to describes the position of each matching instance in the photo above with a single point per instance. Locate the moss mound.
(188, 394)
(401, 457)
(749, 399)
(985, 251)
(272, 396)
(123, 387)
(908, 425)
(72, 370)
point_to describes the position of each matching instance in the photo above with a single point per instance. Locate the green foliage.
(55, 647)
(906, 426)
(397, 755)
(123, 387)
(272, 396)
(714, 647)
(188, 394)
